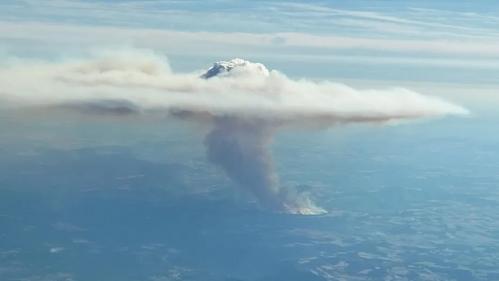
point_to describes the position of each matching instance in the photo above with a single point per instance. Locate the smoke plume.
(243, 102)
(240, 147)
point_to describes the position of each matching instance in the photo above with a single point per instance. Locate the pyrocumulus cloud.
(244, 102)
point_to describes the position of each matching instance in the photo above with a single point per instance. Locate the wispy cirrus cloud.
(371, 33)
(421, 22)
(191, 40)
(372, 18)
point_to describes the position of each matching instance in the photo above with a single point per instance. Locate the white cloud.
(56, 250)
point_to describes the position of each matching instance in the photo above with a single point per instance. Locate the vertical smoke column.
(241, 148)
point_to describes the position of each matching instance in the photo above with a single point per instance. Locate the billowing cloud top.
(236, 67)
(135, 81)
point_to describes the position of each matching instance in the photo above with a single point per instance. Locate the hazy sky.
(445, 42)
